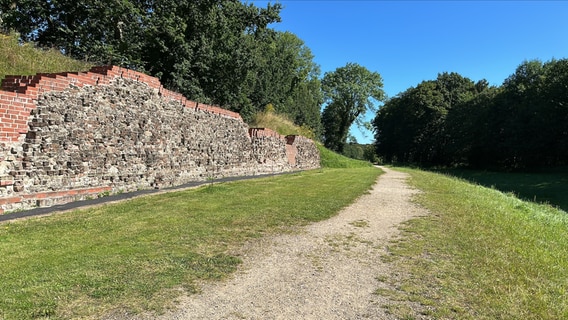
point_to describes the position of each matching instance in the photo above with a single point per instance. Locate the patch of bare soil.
(327, 270)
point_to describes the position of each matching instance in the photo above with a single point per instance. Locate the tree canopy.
(349, 92)
(214, 51)
(288, 79)
(454, 121)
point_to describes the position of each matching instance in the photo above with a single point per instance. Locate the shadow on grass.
(544, 186)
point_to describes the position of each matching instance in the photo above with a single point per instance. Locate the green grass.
(17, 59)
(281, 124)
(481, 254)
(544, 186)
(330, 159)
(140, 254)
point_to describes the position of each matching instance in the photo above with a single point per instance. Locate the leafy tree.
(349, 92)
(553, 119)
(91, 30)
(471, 128)
(452, 121)
(534, 104)
(304, 103)
(369, 153)
(287, 78)
(334, 137)
(211, 47)
(204, 49)
(390, 139)
(354, 151)
(412, 126)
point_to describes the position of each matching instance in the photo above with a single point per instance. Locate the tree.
(92, 30)
(287, 78)
(453, 121)
(412, 126)
(304, 103)
(333, 136)
(353, 150)
(349, 92)
(534, 105)
(552, 121)
(471, 129)
(211, 47)
(204, 49)
(390, 140)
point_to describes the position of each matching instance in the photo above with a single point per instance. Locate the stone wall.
(70, 136)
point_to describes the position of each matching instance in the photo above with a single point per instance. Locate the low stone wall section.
(269, 149)
(302, 152)
(69, 137)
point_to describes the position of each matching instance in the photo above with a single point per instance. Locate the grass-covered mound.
(281, 124)
(26, 59)
(330, 159)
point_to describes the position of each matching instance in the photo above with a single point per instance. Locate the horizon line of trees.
(453, 121)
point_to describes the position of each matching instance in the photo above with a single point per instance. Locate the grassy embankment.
(279, 124)
(482, 254)
(16, 59)
(542, 186)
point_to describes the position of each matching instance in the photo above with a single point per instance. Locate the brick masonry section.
(72, 136)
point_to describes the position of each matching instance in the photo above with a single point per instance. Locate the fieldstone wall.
(269, 149)
(302, 152)
(84, 140)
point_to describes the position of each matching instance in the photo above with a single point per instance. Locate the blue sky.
(411, 41)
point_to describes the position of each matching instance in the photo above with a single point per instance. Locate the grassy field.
(544, 186)
(141, 254)
(481, 254)
(25, 59)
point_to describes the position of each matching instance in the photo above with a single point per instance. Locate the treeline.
(213, 51)
(455, 121)
(358, 151)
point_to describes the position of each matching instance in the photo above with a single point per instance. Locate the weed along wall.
(70, 136)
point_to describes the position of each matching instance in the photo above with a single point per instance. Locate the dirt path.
(327, 270)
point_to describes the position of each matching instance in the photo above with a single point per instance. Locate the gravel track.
(326, 270)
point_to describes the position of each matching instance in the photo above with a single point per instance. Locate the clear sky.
(411, 41)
